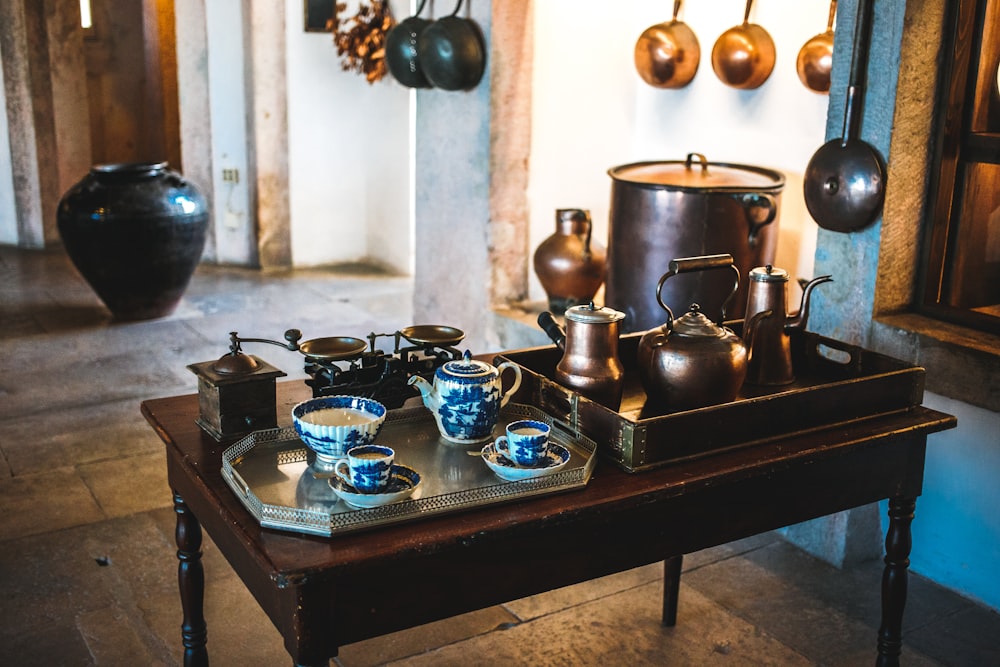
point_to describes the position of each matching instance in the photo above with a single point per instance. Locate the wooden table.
(316, 592)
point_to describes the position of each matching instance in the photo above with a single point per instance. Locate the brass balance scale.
(237, 391)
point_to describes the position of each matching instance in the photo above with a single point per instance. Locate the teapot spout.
(798, 321)
(432, 401)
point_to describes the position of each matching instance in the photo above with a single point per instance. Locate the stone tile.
(970, 636)
(92, 381)
(45, 502)
(125, 486)
(239, 632)
(112, 639)
(47, 643)
(76, 435)
(621, 629)
(542, 604)
(421, 639)
(777, 605)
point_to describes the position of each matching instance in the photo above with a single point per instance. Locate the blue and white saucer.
(557, 457)
(403, 481)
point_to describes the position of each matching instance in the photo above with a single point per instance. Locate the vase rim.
(129, 168)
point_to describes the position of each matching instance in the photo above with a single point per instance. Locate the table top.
(195, 462)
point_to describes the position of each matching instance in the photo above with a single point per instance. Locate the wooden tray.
(835, 383)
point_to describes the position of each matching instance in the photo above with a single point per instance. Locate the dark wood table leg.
(191, 581)
(671, 588)
(894, 580)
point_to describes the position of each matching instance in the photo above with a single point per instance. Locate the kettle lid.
(588, 314)
(768, 274)
(694, 323)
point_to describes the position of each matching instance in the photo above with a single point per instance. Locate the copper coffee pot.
(590, 363)
(768, 330)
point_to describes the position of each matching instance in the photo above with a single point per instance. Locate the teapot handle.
(517, 380)
(702, 263)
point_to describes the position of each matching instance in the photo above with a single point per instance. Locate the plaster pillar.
(844, 309)
(472, 147)
(452, 280)
(267, 152)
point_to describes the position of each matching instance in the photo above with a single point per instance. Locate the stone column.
(471, 178)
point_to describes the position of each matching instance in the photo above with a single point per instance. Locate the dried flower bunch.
(360, 39)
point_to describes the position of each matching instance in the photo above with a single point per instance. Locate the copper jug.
(768, 330)
(692, 362)
(590, 363)
(569, 263)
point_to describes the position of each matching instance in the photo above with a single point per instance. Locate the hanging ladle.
(667, 54)
(844, 182)
(815, 59)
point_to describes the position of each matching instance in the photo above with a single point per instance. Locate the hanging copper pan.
(667, 54)
(815, 58)
(743, 56)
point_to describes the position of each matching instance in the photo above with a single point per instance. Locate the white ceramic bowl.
(330, 425)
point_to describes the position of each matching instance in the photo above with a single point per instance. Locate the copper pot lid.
(697, 174)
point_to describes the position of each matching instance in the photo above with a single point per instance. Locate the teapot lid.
(768, 274)
(466, 367)
(588, 314)
(694, 323)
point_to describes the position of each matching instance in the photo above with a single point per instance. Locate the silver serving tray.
(270, 472)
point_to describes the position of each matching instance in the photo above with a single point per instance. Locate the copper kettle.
(590, 364)
(692, 362)
(768, 329)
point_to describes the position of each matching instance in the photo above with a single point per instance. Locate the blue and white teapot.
(466, 397)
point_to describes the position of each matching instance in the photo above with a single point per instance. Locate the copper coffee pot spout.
(768, 337)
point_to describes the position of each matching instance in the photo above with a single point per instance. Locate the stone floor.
(87, 565)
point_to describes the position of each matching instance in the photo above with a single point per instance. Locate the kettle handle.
(702, 263)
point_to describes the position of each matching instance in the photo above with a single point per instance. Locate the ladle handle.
(858, 71)
(677, 9)
(746, 13)
(833, 15)
(701, 263)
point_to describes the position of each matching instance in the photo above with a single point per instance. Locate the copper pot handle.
(757, 200)
(702, 263)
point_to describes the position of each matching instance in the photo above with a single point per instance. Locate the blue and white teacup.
(367, 468)
(526, 442)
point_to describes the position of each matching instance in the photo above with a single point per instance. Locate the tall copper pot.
(686, 208)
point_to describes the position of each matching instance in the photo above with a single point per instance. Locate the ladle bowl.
(743, 56)
(667, 54)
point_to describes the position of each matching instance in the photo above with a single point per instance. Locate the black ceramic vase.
(136, 233)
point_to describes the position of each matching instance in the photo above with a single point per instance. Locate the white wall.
(349, 155)
(592, 111)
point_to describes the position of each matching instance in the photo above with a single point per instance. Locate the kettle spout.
(430, 396)
(798, 321)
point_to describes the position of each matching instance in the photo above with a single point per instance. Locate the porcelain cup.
(526, 442)
(366, 468)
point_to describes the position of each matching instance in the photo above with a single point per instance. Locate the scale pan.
(432, 334)
(333, 348)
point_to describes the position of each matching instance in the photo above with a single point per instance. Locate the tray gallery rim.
(290, 453)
